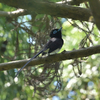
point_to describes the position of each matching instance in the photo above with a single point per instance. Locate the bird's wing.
(52, 45)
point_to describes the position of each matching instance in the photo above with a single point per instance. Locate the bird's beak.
(60, 29)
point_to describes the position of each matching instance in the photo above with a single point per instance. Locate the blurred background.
(24, 36)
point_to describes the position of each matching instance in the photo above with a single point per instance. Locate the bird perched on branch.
(52, 46)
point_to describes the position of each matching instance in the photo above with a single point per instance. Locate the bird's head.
(56, 33)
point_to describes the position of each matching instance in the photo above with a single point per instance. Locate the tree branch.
(52, 58)
(76, 2)
(95, 6)
(13, 14)
(72, 2)
(50, 8)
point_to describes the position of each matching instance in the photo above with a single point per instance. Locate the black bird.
(52, 46)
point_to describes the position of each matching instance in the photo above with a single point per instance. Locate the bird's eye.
(54, 32)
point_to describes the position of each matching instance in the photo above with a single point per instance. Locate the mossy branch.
(67, 55)
(51, 8)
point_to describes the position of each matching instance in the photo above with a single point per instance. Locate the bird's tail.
(29, 62)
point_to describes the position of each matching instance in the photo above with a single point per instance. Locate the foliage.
(23, 37)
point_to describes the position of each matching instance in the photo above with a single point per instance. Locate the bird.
(53, 46)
